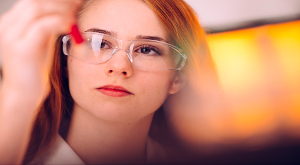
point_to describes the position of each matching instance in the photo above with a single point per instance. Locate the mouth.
(114, 91)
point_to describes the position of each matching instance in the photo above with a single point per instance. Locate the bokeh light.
(259, 70)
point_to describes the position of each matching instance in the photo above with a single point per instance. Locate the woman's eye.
(148, 50)
(105, 45)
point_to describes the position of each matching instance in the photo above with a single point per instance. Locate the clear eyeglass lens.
(98, 49)
(149, 55)
(146, 55)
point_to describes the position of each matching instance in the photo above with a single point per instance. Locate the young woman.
(138, 55)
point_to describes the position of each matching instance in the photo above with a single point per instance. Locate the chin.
(118, 114)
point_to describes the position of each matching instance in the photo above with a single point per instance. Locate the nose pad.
(129, 55)
(114, 52)
(128, 51)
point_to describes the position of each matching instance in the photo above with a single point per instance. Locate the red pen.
(76, 34)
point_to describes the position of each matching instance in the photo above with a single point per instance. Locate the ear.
(178, 83)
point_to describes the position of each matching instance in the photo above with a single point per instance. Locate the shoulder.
(59, 153)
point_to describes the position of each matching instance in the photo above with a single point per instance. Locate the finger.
(1, 22)
(43, 8)
(41, 45)
(45, 27)
(8, 18)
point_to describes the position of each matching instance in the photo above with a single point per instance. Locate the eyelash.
(153, 48)
(106, 43)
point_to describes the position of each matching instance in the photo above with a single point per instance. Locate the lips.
(114, 91)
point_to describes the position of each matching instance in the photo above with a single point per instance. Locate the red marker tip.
(76, 34)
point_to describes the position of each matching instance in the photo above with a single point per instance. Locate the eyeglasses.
(145, 54)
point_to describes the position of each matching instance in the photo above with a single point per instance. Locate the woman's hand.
(27, 32)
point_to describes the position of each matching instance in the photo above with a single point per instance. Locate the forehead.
(128, 18)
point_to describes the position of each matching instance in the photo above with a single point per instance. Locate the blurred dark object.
(287, 152)
(259, 71)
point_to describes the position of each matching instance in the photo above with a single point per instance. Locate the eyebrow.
(150, 38)
(111, 33)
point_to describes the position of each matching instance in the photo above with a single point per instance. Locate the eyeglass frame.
(118, 47)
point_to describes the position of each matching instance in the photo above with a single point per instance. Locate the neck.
(98, 141)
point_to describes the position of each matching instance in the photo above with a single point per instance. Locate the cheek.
(155, 87)
(76, 73)
(80, 78)
(82, 73)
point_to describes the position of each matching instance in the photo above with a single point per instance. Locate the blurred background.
(256, 47)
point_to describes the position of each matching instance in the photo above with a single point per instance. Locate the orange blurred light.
(259, 70)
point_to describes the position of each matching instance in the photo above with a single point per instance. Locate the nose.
(119, 64)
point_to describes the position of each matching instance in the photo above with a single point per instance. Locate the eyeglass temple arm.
(183, 62)
(65, 40)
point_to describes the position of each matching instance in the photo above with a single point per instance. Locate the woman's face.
(96, 88)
